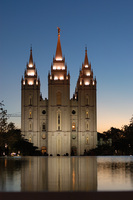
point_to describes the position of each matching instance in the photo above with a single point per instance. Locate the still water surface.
(110, 173)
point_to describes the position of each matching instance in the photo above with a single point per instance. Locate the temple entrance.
(74, 151)
(44, 150)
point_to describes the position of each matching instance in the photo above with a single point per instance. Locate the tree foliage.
(11, 139)
(122, 141)
(3, 118)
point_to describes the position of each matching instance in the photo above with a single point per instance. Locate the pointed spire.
(86, 62)
(58, 55)
(31, 58)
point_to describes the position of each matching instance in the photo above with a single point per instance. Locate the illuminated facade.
(59, 125)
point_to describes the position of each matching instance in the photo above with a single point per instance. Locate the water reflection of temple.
(59, 174)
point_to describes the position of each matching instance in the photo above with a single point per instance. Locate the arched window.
(87, 126)
(58, 120)
(58, 98)
(30, 100)
(29, 139)
(30, 126)
(73, 126)
(87, 114)
(43, 127)
(87, 139)
(87, 99)
(30, 114)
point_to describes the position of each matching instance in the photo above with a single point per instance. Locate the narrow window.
(30, 139)
(43, 127)
(30, 100)
(87, 100)
(30, 115)
(58, 98)
(58, 121)
(87, 126)
(87, 114)
(87, 140)
(30, 126)
(73, 126)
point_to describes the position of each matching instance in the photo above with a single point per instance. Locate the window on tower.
(73, 126)
(43, 127)
(58, 121)
(30, 114)
(87, 114)
(30, 126)
(87, 139)
(87, 126)
(30, 100)
(58, 98)
(87, 100)
(29, 139)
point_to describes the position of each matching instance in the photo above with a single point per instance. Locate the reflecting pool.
(108, 173)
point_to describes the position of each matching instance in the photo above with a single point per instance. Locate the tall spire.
(31, 58)
(58, 55)
(86, 62)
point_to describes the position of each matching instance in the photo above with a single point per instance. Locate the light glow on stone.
(88, 74)
(54, 67)
(55, 78)
(30, 82)
(86, 66)
(61, 78)
(30, 65)
(58, 59)
(23, 82)
(30, 73)
(86, 83)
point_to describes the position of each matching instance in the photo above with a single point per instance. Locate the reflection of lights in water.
(5, 163)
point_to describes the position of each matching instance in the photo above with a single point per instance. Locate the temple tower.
(30, 97)
(87, 118)
(58, 105)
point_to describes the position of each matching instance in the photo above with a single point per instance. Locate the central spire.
(86, 62)
(31, 59)
(58, 55)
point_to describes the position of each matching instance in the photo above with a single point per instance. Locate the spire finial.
(58, 55)
(86, 48)
(86, 62)
(31, 58)
(58, 30)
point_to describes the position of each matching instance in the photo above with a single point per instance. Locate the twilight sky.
(104, 26)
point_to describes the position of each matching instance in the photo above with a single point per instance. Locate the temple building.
(59, 125)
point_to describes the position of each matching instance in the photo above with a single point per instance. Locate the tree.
(3, 118)
(11, 126)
